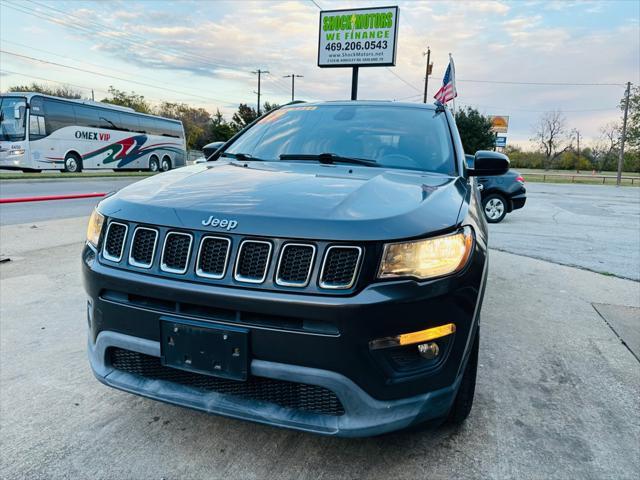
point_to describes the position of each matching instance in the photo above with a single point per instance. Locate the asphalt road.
(595, 227)
(557, 393)
(14, 213)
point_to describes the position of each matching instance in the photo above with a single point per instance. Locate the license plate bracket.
(215, 350)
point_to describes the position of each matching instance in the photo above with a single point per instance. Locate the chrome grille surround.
(105, 253)
(163, 266)
(133, 261)
(285, 283)
(356, 268)
(239, 257)
(199, 271)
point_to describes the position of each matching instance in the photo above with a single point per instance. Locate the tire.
(464, 398)
(166, 164)
(154, 165)
(494, 207)
(72, 163)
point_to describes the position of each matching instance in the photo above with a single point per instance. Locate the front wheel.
(154, 165)
(495, 208)
(464, 399)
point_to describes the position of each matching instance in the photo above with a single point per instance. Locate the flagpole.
(453, 78)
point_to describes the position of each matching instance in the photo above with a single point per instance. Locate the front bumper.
(309, 339)
(364, 415)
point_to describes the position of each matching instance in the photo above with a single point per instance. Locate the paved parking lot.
(557, 390)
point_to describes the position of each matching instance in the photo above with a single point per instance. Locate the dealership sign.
(363, 37)
(499, 123)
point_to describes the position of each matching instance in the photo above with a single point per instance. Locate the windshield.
(393, 136)
(12, 128)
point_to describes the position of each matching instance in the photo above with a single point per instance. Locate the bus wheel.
(72, 163)
(154, 165)
(166, 164)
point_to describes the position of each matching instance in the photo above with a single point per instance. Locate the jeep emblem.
(220, 223)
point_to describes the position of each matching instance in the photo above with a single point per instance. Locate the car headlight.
(431, 257)
(95, 227)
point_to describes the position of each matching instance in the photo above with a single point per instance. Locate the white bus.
(39, 132)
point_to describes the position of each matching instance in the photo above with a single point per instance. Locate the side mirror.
(17, 112)
(487, 163)
(211, 148)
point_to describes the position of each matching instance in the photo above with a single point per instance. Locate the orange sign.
(499, 123)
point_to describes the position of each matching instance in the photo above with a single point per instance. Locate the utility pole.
(624, 134)
(293, 77)
(578, 150)
(92, 96)
(428, 71)
(259, 72)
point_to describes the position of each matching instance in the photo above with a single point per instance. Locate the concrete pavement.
(557, 392)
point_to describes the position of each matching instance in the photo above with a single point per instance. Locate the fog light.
(429, 350)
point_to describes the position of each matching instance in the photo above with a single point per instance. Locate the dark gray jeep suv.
(323, 271)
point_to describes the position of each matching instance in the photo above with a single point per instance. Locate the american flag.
(448, 90)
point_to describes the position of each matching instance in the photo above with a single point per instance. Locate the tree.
(243, 117)
(124, 99)
(551, 136)
(196, 122)
(63, 91)
(221, 130)
(267, 107)
(605, 150)
(475, 130)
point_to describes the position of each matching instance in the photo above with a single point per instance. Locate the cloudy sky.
(203, 52)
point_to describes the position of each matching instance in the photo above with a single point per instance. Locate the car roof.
(390, 103)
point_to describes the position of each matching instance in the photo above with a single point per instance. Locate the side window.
(146, 125)
(110, 120)
(130, 122)
(86, 116)
(36, 127)
(58, 115)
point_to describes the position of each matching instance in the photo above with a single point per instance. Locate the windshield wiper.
(241, 156)
(329, 158)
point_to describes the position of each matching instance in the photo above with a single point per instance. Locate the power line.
(293, 77)
(83, 87)
(114, 77)
(105, 31)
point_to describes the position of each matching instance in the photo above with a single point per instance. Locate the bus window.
(87, 116)
(146, 125)
(130, 122)
(36, 127)
(110, 119)
(58, 115)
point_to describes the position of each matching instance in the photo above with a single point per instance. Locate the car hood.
(295, 200)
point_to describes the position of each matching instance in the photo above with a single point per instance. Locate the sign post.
(363, 37)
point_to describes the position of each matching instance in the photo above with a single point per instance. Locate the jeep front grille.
(293, 395)
(253, 261)
(213, 256)
(143, 247)
(294, 267)
(340, 267)
(114, 241)
(175, 252)
(233, 260)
